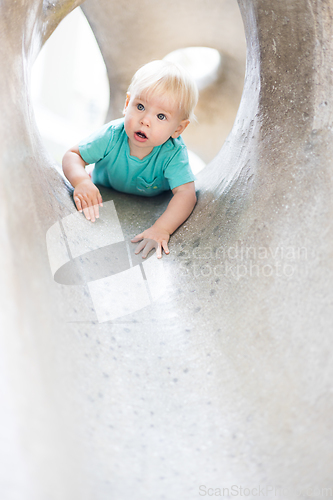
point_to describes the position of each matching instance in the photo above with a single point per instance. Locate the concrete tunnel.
(218, 383)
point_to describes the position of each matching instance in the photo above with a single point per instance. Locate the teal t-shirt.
(166, 167)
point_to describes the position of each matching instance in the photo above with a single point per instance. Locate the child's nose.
(145, 120)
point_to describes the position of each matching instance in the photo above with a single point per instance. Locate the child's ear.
(180, 129)
(127, 100)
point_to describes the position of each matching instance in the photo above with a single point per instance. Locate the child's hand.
(87, 198)
(154, 237)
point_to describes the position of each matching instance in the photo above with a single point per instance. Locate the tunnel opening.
(203, 63)
(69, 85)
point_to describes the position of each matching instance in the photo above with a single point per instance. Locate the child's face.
(149, 122)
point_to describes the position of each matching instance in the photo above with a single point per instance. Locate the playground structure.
(225, 379)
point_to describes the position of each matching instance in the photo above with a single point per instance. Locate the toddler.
(142, 153)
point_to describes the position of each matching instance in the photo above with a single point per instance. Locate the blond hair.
(168, 79)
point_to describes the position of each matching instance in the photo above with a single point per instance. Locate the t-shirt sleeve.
(178, 170)
(94, 147)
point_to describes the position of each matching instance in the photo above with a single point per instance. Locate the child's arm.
(86, 195)
(178, 210)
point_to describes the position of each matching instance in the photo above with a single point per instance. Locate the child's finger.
(99, 198)
(78, 203)
(140, 246)
(85, 208)
(91, 209)
(96, 210)
(159, 251)
(137, 238)
(86, 213)
(149, 245)
(165, 246)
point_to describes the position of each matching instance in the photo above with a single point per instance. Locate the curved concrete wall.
(225, 379)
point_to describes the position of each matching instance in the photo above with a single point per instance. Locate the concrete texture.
(225, 380)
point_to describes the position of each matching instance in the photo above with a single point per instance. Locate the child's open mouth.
(140, 136)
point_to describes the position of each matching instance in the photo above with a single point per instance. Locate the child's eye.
(161, 116)
(140, 107)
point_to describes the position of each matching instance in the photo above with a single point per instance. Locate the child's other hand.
(154, 237)
(88, 199)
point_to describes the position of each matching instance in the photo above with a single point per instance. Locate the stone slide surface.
(212, 368)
